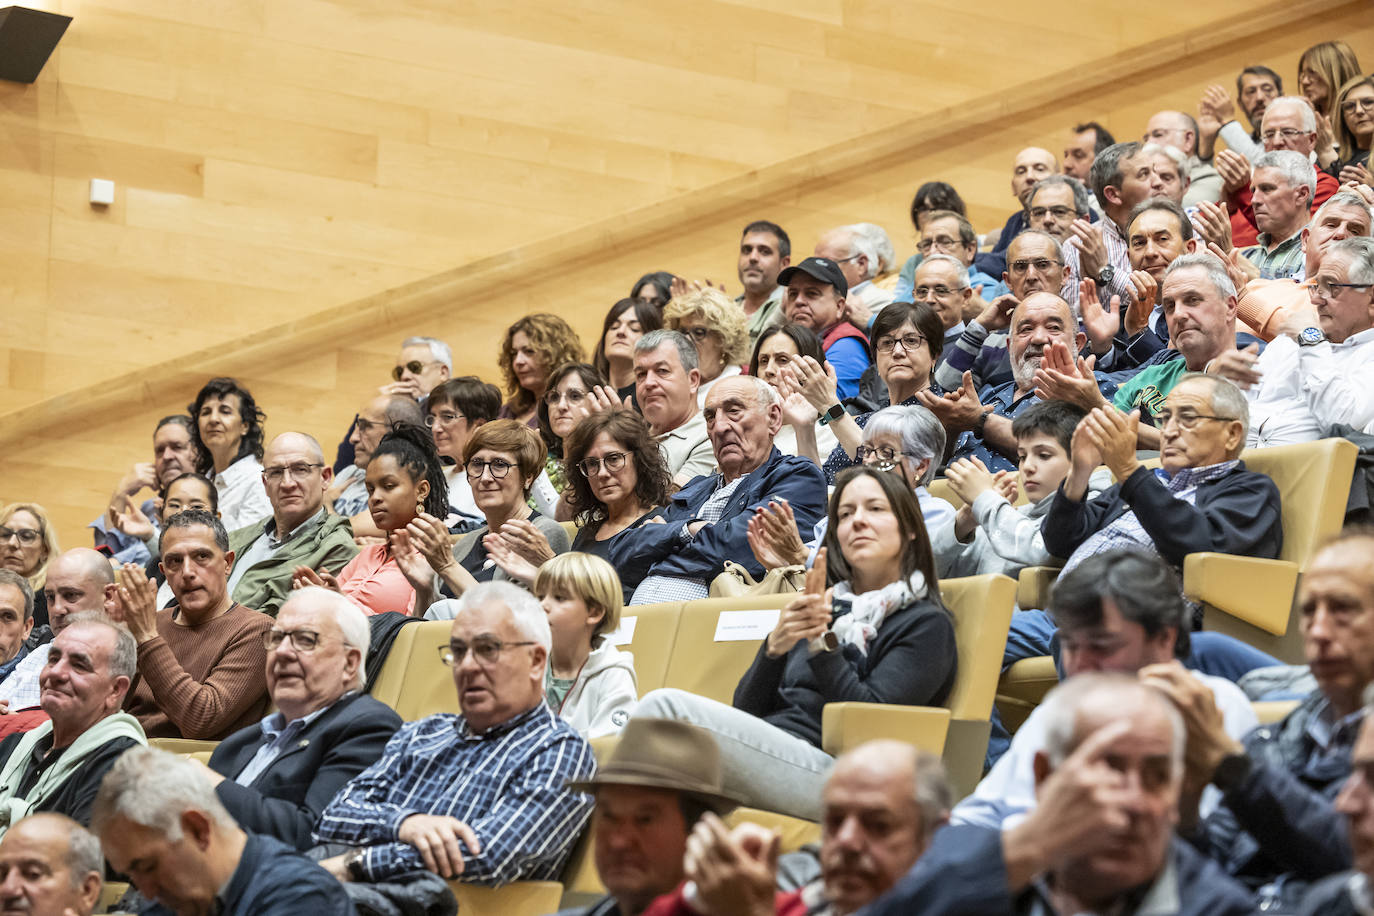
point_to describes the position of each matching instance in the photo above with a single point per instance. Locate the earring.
(419, 508)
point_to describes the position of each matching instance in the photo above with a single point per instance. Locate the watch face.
(1311, 336)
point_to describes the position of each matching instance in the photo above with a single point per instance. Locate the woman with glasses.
(28, 544)
(778, 348)
(1322, 70)
(228, 442)
(626, 322)
(573, 390)
(718, 327)
(453, 411)
(533, 347)
(502, 460)
(405, 483)
(1355, 130)
(881, 635)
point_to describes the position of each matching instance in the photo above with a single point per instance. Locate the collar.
(241, 468)
(1359, 337)
(680, 431)
(500, 728)
(1329, 732)
(275, 724)
(1266, 241)
(1191, 477)
(270, 530)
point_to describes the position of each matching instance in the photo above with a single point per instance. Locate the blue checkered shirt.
(658, 589)
(1125, 531)
(508, 785)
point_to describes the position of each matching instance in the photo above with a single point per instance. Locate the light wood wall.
(301, 184)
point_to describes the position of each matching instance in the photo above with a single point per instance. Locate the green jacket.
(266, 585)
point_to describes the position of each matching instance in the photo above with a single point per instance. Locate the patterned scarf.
(866, 612)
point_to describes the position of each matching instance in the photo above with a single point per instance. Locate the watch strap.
(831, 414)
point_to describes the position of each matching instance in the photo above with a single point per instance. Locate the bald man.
(301, 531)
(1029, 166)
(78, 581)
(50, 866)
(1179, 130)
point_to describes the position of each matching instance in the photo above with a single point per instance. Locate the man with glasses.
(1030, 166)
(300, 531)
(480, 796)
(1056, 202)
(423, 364)
(851, 249)
(348, 494)
(950, 233)
(1319, 371)
(276, 776)
(942, 283)
(1180, 131)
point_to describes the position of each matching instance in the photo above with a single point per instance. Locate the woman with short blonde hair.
(718, 327)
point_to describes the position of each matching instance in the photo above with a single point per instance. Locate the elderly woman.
(626, 322)
(228, 438)
(28, 543)
(453, 411)
(533, 347)
(718, 327)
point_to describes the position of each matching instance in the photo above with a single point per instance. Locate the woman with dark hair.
(776, 349)
(405, 482)
(533, 347)
(626, 322)
(569, 398)
(453, 410)
(655, 288)
(930, 197)
(228, 440)
(881, 635)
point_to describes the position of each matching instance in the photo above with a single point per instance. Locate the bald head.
(1172, 128)
(79, 580)
(294, 442)
(376, 419)
(296, 477)
(50, 865)
(1031, 165)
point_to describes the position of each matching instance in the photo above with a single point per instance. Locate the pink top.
(374, 581)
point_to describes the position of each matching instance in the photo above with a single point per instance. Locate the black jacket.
(76, 796)
(286, 799)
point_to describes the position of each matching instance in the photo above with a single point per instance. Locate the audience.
(533, 347)
(778, 348)
(453, 412)
(614, 358)
(880, 635)
(1089, 139)
(57, 766)
(1256, 87)
(930, 197)
(851, 249)
(764, 251)
(348, 494)
(1121, 178)
(1029, 166)
(952, 234)
(227, 439)
(172, 457)
(160, 823)
(655, 288)
(718, 328)
(480, 796)
(276, 776)
(1179, 131)
(50, 866)
(1354, 130)
(200, 663)
(1346, 893)
(666, 382)
(301, 532)
(28, 544)
(1322, 70)
(1055, 202)
(815, 297)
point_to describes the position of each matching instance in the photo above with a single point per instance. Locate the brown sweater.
(202, 682)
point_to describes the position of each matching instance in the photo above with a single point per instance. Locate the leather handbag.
(735, 581)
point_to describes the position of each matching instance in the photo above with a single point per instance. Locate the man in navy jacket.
(706, 522)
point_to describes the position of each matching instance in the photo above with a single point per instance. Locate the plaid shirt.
(508, 785)
(657, 589)
(1284, 261)
(21, 687)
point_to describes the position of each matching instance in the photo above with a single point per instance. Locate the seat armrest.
(1033, 587)
(847, 725)
(1259, 592)
(183, 746)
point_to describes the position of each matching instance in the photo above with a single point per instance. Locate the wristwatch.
(1106, 275)
(833, 413)
(353, 864)
(1310, 337)
(981, 424)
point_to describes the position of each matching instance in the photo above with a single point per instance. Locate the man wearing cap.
(661, 778)
(815, 297)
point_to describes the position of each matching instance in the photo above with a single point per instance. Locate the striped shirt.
(508, 785)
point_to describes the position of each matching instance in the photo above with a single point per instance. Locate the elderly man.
(1256, 87)
(1281, 186)
(275, 777)
(662, 776)
(160, 823)
(666, 382)
(1122, 177)
(1348, 893)
(850, 248)
(423, 364)
(706, 522)
(1121, 611)
(1319, 371)
(1030, 166)
(1057, 201)
(300, 532)
(816, 291)
(16, 620)
(58, 765)
(1289, 124)
(1100, 838)
(882, 803)
(50, 866)
(949, 233)
(1276, 829)
(78, 581)
(173, 455)
(1089, 139)
(348, 494)
(942, 283)
(1180, 131)
(764, 250)
(982, 418)
(481, 795)
(200, 662)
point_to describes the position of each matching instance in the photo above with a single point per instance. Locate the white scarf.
(868, 610)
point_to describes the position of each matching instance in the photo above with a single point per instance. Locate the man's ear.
(327, 474)
(694, 379)
(785, 262)
(1112, 193)
(1079, 341)
(91, 887)
(197, 827)
(1040, 766)
(1190, 246)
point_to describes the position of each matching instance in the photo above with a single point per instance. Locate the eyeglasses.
(362, 424)
(486, 649)
(700, 334)
(884, 457)
(25, 535)
(294, 471)
(444, 418)
(301, 640)
(1288, 133)
(1057, 212)
(1350, 106)
(1042, 265)
(1326, 289)
(939, 241)
(939, 292)
(572, 396)
(500, 467)
(613, 461)
(909, 342)
(414, 367)
(1187, 419)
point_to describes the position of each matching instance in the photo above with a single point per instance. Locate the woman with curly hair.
(533, 347)
(227, 438)
(718, 327)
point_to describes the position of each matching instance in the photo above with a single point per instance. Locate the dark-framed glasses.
(500, 467)
(414, 367)
(884, 457)
(1057, 212)
(1040, 264)
(443, 418)
(486, 649)
(28, 536)
(613, 461)
(301, 640)
(1328, 289)
(909, 342)
(572, 396)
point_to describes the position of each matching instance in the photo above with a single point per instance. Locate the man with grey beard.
(982, 419)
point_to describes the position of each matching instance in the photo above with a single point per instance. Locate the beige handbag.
(735, 581)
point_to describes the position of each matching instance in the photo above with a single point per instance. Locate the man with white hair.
(853, 249)
(276, 777)
(423, 364)
(50, 866)
(706, 522)
(480, 796)
(160, 823)
(1282, 185)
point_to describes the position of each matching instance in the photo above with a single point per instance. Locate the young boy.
(990, 535)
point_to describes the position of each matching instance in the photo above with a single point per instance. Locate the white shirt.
(1008, 790)
(1304, 391)
(687, 450)
(705, 387)
(786, 440)
(242, 497)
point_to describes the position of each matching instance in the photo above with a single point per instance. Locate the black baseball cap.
(823, 269)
